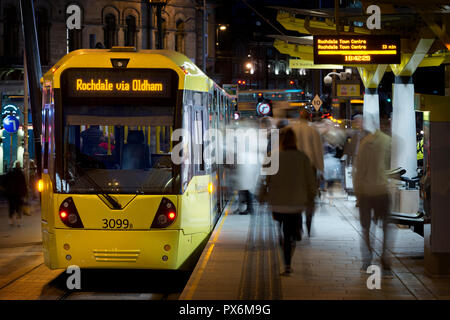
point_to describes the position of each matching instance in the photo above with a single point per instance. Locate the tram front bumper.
(139, 249)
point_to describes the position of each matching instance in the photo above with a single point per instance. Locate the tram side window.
(198, 141)
(224, 108)
(228, 110)
(221, 107)
(46, 138)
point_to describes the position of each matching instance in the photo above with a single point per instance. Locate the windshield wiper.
(99, 190)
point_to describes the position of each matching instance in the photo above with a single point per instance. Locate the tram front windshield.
(118, 149)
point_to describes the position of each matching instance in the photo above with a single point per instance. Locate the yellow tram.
(111, 195)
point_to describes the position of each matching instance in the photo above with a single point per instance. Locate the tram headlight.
(40, 185)
(210, 188)
(165, 215)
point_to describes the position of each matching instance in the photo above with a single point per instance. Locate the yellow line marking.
(206, 259)
(200, 272)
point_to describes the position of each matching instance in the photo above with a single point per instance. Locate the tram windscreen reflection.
(127, 154)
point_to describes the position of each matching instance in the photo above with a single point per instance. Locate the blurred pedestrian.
(371, 189)
(355, 135)
(309, 142)
(32, 181)
(289, 191)
(248, 167)
(15, 191)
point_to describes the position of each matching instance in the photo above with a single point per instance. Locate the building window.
(92, 39)
(43, 30)
(163, 32)
(179, 37)
(11, 32)
(130, 32)
(110, 30)
(73, 39)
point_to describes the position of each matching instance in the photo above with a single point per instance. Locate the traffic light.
(241, 83)
(293, 83)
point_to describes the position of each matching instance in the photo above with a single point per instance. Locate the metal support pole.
(34, 74)
(26, 155)
(159, 25)
(150, 26)
(204, 51)
(11, 163)
(336, 15)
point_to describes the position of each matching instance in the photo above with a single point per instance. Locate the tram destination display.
(356, 49)
(110, 83)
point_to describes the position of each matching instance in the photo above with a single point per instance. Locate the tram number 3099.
(116, 224)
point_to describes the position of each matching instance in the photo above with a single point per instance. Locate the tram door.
(212, 113)
(222, 128)
(217, 114)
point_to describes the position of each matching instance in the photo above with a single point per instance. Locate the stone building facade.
(107, 23)
(104, 23)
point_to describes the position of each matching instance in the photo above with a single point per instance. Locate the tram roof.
(190, 76)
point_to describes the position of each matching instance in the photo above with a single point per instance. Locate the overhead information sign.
(78, 83)
(357, 49)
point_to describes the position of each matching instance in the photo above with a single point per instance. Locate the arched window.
(179, 36)
(11, 32)
(130, 32)
(281, 66)
(164, 29)
(43, 33)
(110, 30)
(74, 39)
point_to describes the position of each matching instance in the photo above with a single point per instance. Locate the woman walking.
(289, 191)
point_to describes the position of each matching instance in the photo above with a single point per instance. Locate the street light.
(250, 67)
(222, 27)
(329, 80)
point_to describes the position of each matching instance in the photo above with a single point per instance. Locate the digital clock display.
(358, 49)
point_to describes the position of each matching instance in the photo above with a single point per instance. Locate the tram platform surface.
(29, 233)
(242, 260)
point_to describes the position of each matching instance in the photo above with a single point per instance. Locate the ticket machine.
(436, 181)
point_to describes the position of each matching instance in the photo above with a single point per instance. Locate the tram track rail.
(56, 288)
(20, 277)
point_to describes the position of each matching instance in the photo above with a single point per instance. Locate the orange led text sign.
(361, 49)
(107, 85)
(112, 83)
